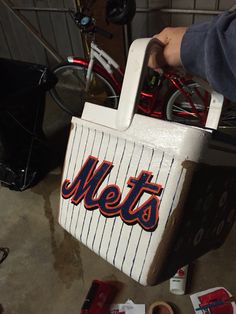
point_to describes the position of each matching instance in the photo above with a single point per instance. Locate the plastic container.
(178, 282)
(99, 298)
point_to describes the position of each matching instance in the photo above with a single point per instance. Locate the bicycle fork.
(187, 92)
(104, 59)
(89, 72)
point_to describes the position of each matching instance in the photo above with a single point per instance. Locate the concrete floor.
(47, 271)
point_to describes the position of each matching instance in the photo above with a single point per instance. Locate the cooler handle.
(139, 52)
(137, 60)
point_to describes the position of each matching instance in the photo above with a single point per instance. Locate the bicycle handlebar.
(87, 23)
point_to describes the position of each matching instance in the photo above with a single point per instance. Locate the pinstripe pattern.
(139, 246)
(151, 244)
(129, 247)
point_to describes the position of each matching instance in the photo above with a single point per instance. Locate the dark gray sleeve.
(208, 50)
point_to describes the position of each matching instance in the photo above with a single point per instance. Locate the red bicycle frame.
(151, 103)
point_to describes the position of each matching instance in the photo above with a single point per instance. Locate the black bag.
(23, 149)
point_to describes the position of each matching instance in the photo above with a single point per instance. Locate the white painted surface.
(129, 248)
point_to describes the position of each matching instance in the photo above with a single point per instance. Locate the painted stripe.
(77, 166)
(100, 217)
(70, 147)
(83, 212)
(155, 168)
(147, 259)
(144, 237)
(111, 155)
(96, 213)
(95, 152)
(123, 241)
(111, 225)
(71, 168)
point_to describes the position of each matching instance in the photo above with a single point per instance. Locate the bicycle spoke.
(70, 92)
(190, 108)
(183, 110)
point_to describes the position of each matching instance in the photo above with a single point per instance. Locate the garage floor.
(47, 271)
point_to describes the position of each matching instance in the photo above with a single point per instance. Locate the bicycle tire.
(70, 95)
(228, 116)
(178, 108)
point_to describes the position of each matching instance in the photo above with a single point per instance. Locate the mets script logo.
(90, 177)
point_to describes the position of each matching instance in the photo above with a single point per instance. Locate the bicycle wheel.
(228, 116)
(179, 109)
(70, 91)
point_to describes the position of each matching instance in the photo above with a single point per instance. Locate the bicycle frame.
(106, 65)
(152, 101)
(179, 84)
(111, 70)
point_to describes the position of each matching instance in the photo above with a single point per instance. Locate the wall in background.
(115, 45)
(56, 27)
(149, 21)
(63, 35)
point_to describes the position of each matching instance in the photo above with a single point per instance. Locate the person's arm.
(207, 50)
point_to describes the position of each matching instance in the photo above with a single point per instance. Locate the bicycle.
(81, 80)
(98, 79)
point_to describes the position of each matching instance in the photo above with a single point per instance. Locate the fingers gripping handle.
(139, 53)
(137, 60)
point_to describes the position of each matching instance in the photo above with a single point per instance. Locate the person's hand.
(171, 37)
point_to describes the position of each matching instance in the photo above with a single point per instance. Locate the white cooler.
(147, 195)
